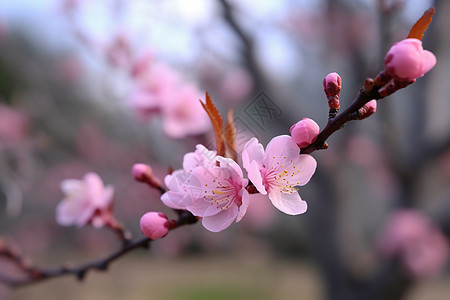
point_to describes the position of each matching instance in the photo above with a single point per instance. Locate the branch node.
(102, 266)
(81, 275)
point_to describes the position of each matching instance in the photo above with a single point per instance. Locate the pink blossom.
(209, 186)
(144, 103)
(402, 228)
(183, 114)
(118, 51)
(154, 225)
(86, 201)
(422, 248)
(159, 89)
(428, 256)
(153, 85)
(142, 63)
(304, 132)
(278, 171)
(406, 60)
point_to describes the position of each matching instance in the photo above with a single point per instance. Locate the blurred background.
(100, 85)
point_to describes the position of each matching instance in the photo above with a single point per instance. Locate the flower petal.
(176, 200)
(94, 186)
(201, 157)
(289, 203)
(280, 151)
(254, 174)
(203, 208)
(228, 162)
(69, 186)
(221, 220)
(428, 61)
(244, 205)
(252, 151)
(107, 198)
(306, 164)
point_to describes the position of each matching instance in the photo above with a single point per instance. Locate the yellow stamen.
(218, 192)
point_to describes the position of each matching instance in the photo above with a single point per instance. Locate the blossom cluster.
(422, 248)
(213, 187)
(159, 89)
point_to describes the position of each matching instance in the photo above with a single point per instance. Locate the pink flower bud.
(142, 172)
(154, 225)
(304, 132)
(367, 110)
(406, 60)
(332, 84)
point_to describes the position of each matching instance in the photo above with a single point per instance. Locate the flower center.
(223, 194)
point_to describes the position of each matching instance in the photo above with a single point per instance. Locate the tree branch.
(338, 122)
(35, 275)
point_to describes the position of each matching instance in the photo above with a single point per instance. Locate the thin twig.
(338, 122)
(38, 275)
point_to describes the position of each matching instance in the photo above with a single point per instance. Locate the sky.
(171, 28)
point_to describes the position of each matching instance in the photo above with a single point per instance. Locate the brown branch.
(249, 45)
(338, 122)
(36, 275)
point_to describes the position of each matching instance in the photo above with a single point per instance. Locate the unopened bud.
(406, 60)
(367, 110)
(332, 84)
(304, 132)
(382, 78)
(393, 86)
(369, 83)
(332, 87)
(142, 172)
(154, 225)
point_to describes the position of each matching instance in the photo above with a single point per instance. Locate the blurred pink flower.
(423, 249)
(278, 171)
(159, 89)
(154, 225)
(86, 201)
(157, 78)
(402, 228)
(209, 186)
(144, 103)
(118, 52)
(428, 256)
(14, 124)
(406, 60)
(142, 63)
(304, 132)
(236, 85)
(153, 85)
(183, 114)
